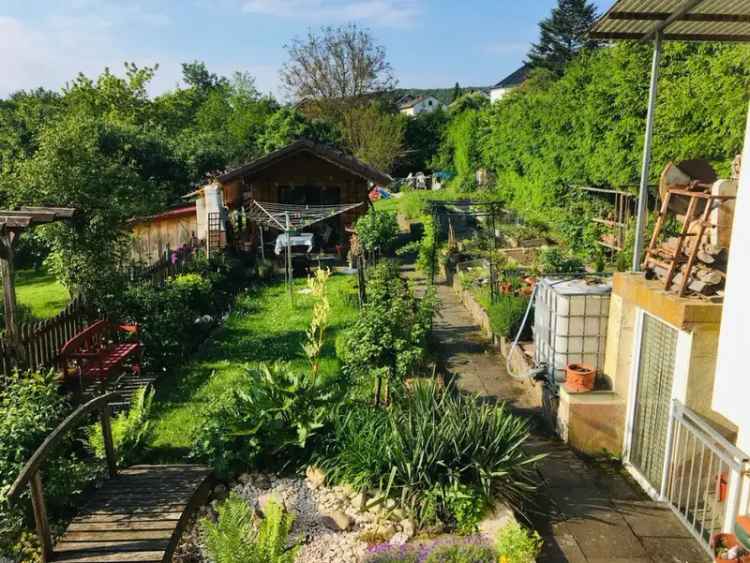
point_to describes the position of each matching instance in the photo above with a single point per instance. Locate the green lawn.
(41, 292)
(265, 327)
(412, 204)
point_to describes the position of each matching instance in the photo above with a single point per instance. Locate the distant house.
(509, 83)
(414, 105)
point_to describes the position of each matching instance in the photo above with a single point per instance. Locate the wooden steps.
(137, 516)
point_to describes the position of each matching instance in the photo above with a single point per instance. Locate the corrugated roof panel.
(710, 20)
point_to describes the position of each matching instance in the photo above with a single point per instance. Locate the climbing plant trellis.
(490, 211)
(291, 219)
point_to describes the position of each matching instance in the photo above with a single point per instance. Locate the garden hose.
(533, 372)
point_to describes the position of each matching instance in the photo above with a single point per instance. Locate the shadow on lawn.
(263, 328)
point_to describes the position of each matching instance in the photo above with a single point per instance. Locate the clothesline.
(289, 217)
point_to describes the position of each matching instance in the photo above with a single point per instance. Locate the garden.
(320, 415)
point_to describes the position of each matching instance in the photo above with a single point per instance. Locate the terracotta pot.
(579, 378)
(721, 487)
(727, 541)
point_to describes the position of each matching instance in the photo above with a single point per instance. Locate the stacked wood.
(708, 274)
(695, 261)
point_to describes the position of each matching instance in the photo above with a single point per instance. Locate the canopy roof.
(689, 20)
(287, 217)
(29, 216)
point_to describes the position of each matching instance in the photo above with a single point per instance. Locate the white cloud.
(391, 13)
(52, 51)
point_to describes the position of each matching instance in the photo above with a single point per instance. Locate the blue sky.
(430, 43)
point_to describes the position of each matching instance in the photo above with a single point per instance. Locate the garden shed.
(303, 174)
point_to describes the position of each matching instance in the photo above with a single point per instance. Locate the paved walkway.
(587, 513)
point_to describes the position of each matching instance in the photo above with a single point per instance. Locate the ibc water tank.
(570, 323)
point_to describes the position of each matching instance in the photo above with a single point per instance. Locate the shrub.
(30, 408)
(470, 550)
(553, 261)
(130, 430)
(506, 313)
(388, 340)
(377, 230)
(431, 445)
(517, 545)
(236, 538)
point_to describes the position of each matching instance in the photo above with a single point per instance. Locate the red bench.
(101, 350)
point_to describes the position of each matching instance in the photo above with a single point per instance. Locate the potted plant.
(727, 549)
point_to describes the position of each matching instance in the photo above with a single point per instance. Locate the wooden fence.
(172, 264)
(39, 343)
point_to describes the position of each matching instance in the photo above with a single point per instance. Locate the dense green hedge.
(587, 128)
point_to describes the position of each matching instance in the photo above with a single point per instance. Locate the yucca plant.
(431, 444)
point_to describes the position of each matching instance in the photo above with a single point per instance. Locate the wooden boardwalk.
(137, 516)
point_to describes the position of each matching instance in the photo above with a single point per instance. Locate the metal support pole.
(290, 275)
(642, 212)
(493, 273)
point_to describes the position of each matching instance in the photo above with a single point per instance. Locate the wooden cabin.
(303, 173)
(155, 234)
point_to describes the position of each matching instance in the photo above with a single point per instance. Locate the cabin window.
(310, 195)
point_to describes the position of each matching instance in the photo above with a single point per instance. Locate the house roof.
(414, 100)
(329, 154)
(516, 78)
(688, 20)
(181, 211)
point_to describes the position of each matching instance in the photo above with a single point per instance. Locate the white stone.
(337, 521)
(315, 476)
(495, 520)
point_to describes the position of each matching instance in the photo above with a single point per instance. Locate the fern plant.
(130, 429)
(235, 538)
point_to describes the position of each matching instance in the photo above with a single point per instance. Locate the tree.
(196, 75)
(335, 66)
(374, 136)
(563, 35)
(472, 100)
(109, 172)
(288, 125)
(456, 92)
(422, 138)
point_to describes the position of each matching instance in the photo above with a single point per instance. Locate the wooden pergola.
(12, 224)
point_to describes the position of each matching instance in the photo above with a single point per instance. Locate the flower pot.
(722, 542)
(579, 378)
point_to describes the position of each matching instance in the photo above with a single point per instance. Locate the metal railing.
(703, 476)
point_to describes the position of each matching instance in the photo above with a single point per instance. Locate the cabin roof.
(305, 146)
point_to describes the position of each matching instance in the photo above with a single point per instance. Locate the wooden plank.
(132, 525)
(137, 557)
(137, 516)
(126, 518)
(113, 546)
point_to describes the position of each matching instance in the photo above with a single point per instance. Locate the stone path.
(586, 513)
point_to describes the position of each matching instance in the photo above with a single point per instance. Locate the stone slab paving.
(586, 512)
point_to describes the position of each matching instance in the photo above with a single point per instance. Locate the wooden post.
(40, 516)
(8, 273)
(109, 447)
(361, 281)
